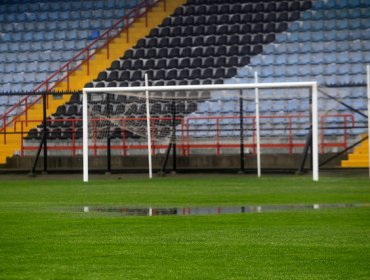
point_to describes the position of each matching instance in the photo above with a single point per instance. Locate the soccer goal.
(256, 119)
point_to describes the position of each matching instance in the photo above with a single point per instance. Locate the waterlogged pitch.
(44, 233)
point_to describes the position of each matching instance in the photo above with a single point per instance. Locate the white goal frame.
(146, 89)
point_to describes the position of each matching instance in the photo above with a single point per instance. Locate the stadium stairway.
(359, 157)
(12, 144)
(119, 45)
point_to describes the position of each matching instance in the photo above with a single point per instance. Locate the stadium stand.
(212, 42)
(86, 63)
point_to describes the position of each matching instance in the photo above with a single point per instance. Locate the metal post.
(85, 137)
(368, 113)
(109, 158)
(163, 170)
(241, 124)
(108, 98)
(311, 134)
(315, 133)
(148, 129)
(174, 166)
(258, 143)
(307, 146)
(44, 96)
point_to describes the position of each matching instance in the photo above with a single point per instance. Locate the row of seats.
(199, 62)
(266, 106)
(333, 4)
(55, 45)
(139, 110)
(323, 36)
(172, 74)
(333, 59)
(269, 131)
(48, 6)
(306, 70)
(195, 131)
(41, 36)
(17, 87)
(225, 29)
(214, 40)
(230, 19)
(32, 61)
(10, 100)
(338, 24)
(55, 134)
(30, 77)
(327, 80)
(211, 51)
(58, 25)
(34, 17)
(350, 13)
(235, 2)
(241, 8)
(298, 48)
(102, 84)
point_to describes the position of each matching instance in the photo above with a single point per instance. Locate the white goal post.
(312, 86)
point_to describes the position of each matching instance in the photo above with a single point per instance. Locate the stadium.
(184, 139)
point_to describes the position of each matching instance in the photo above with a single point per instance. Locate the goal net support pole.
(258, 142)
(315, 134)
(148, 89)
(149, 139)
(85, 137)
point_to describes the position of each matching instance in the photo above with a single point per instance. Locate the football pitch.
(44, 233)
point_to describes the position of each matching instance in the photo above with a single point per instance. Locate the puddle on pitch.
(191, 211)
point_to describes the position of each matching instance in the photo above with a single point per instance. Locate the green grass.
(184, 191)
(42, 238)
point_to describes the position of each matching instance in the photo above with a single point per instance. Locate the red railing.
(289, 121)
(85, 55)
(185, 143)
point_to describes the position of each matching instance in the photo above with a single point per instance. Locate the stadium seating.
(210, 42)
(203, 44)
(37, 38)
(202, 41)
(329, 44)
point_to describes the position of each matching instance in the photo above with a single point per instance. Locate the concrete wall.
(196, 162)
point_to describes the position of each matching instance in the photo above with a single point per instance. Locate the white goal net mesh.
(219, 121)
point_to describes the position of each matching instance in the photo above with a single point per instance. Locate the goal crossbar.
(312, 85)
(204, 87)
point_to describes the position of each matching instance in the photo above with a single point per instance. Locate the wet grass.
(185, 191)
(40, 241)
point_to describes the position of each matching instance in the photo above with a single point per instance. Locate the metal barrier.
(184, 143)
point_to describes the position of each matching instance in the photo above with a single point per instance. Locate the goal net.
(247, 122)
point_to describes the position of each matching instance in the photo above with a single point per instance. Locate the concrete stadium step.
(359, 157)
(32, 120)
(355, 164)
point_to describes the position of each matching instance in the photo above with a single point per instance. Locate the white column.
(85, 137)
(315, 136)
(368, 112)
(148, 129)
(258, 143)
